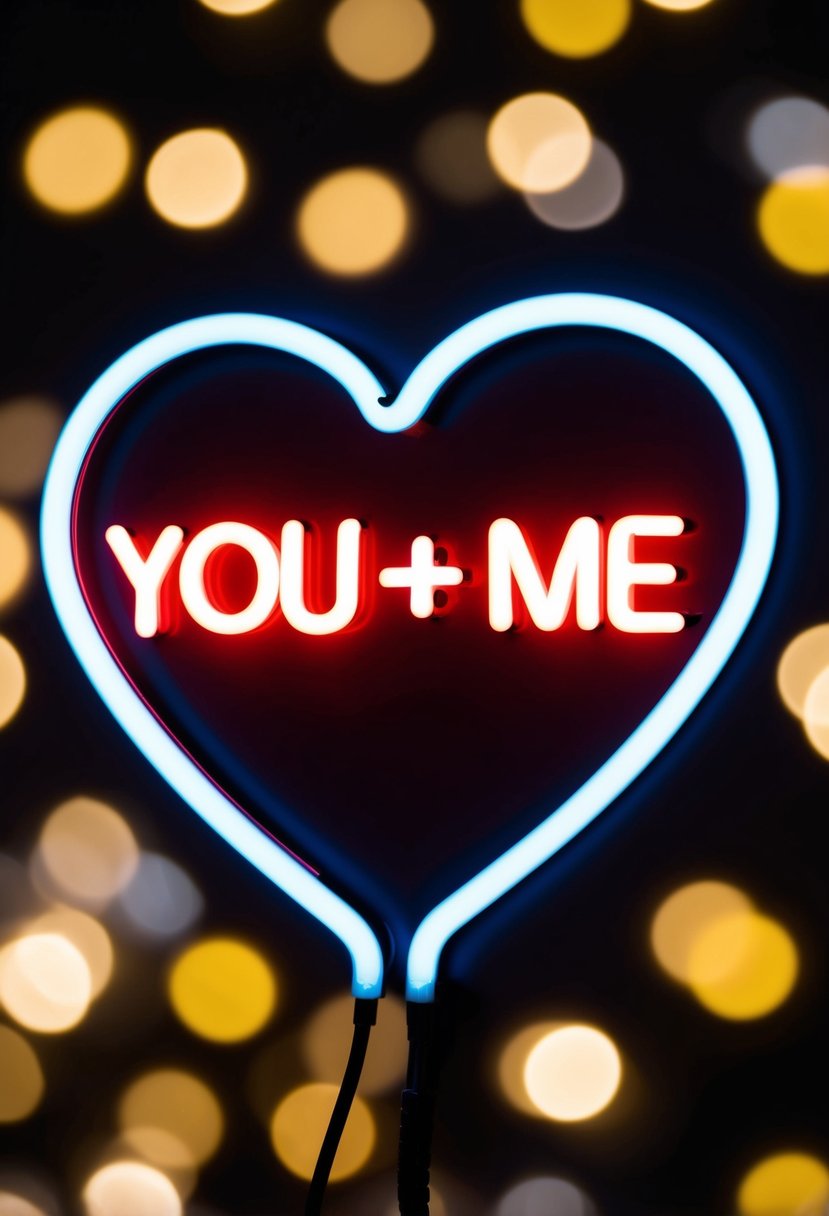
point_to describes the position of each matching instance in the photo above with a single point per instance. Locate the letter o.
(191, 578)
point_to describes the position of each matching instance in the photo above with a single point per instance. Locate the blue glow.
(607, 783)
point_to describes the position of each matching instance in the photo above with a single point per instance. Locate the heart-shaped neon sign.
(561, 824)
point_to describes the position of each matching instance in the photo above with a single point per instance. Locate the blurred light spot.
(130, 1188)
(16, 1205)
(789, 133)
(789, 1184)
(17, 896)
(451, 155)
(197, 179)
(539, 142)
(160, 1149)
(88, 851)
(15, 557)
(222, 989)
(743, 966)
(29, 427)
(327, 1039)
(12, 681)
(545, 1197)
(86, 934)
(380, 41)
(512, 1060)
(299, 1124)
(161, 899)
(686, 914)
(22, 1085)
(816, 714)
(353, 222)
(77, 160)
(592, 198)
(573, 1073)
(793, 220)
(45, 983)
(237, 8)
(679, 6)
(803, 660)
(169, 1100)
(576, 28)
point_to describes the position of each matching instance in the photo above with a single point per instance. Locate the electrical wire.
(365, 1016)
(417, 1113)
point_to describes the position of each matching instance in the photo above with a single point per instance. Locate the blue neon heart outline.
(449, 356)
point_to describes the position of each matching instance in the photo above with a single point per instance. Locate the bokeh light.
(539, 142)
(15, 557)
(17, 1205)
(222, 989)
(86, 934)
(686, 914)
(45, 983)
(327, 1039)
(803, 660)
(12, 681)
(545, 1197)
(816, 714)
(237, 8)
(161, 900)
(573, 1073)
(451, 156)
(576, 28)
(77, 160)
(788, 133)
(743, 966)
(29, 427)
(353, 222)
(793, 220)
(679, 6)
(787, 1184)
(380, 41)
(197, 179)
(87, 850)
(299, 1124)
(130, 1188)
(22, 1085)
(511, 1063)
(171, 1101)
(594, 197)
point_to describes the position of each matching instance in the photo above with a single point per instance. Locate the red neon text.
(515, 582)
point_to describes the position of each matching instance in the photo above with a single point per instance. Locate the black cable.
(417, 1112)
(365, 1015)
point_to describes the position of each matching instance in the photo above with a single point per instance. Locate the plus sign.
(422, 576)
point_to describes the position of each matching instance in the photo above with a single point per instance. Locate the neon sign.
(540, 598)
(281, 576)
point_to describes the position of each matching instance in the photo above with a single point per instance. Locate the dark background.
(738, 796)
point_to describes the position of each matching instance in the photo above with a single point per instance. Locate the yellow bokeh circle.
(29, 427)
(816, 714)
(22, 1085)
(86, 934)
(130, 1188)
(787, 1184)
(237, 8)
(88, 851)
(576, 28)
(686, 914)
(169, 1100)
(12, 681)
(197, 179)
(803, 660)
(353, 222)
(222, 989)
(573, 1073)
(743, 966)
(793, 220)
(299, 1124)
(15, 557)
(539, 142)
(17, 1205)
(45, 982)
(77, 160)
(380, 41)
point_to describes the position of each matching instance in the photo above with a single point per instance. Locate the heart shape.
(611, 778)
